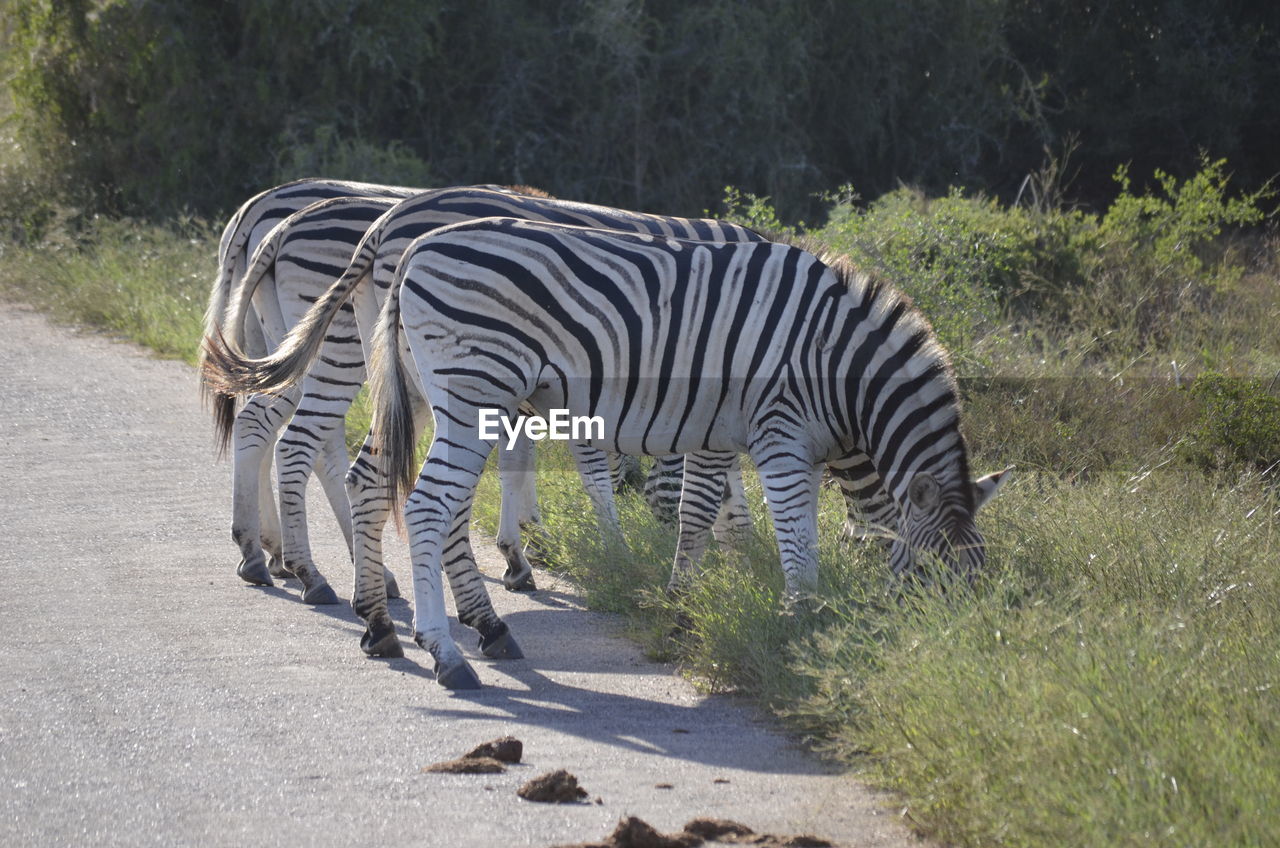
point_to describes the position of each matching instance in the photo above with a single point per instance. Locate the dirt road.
(151, 698)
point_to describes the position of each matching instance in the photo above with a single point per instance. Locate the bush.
(151, 107)
(1239, 424)
(956, 256)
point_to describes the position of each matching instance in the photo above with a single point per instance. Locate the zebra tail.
(223, 362)
(232, 371)
(233, 241)
(234, 238)
(392, 426)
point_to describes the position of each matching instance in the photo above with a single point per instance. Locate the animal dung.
(557, 787)
(486, 758)
(717, 828)
(466, 765)
(508, 749)
(632, 832)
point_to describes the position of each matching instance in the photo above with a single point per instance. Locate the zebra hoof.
(321, 594)
(517, 583)
(457, 676)
(277, 568)
(501, 645)
(255, 573)
(393, 588)
(383, 643)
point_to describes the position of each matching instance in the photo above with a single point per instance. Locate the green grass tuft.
(149, 284)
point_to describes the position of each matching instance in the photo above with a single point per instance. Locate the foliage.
(954, 255)
(1110, 686)
(1172, 232)
(145, 282)
(156, 106)
(1238, 426)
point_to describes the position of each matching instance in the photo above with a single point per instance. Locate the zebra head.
(937, 523)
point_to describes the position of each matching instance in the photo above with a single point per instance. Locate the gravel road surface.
(151, 698)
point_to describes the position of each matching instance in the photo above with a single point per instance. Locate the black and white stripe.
(681, 347)
(253, 430)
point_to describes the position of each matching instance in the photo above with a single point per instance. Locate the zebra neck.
(902, 399)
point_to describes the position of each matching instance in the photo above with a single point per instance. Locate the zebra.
(295, 260)
(796, 358)
(255, 523)
(375, 258)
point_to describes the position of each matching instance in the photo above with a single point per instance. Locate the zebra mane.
(885, 294)
(529, 190)
(884, 297)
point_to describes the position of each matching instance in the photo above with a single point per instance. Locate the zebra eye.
(923, 491)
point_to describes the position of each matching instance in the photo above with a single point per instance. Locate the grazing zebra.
(255, 523)
(681, 347)
(291, 266)
(376, 258)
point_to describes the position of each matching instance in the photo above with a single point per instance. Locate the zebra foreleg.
(626, 473)
(662, 487)
(597, 478)
(733, 522)
(331, 471)
(254, 523)
(791, 490)
(870, 513)
(700, 500)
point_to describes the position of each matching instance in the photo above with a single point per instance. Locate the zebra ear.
(923, 491)
(984, 488)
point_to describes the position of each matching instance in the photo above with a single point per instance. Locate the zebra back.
(379, 250)
(726, 333)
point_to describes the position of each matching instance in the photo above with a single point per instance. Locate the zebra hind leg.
(254, 522)
(370, 508)
(471, 598)
(516, 473)
(437, 513)
(295, 458)
(333, 468)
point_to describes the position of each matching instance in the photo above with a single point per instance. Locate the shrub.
(1239, 424)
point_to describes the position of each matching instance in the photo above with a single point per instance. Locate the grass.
(1112, 681)
(149, 284)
